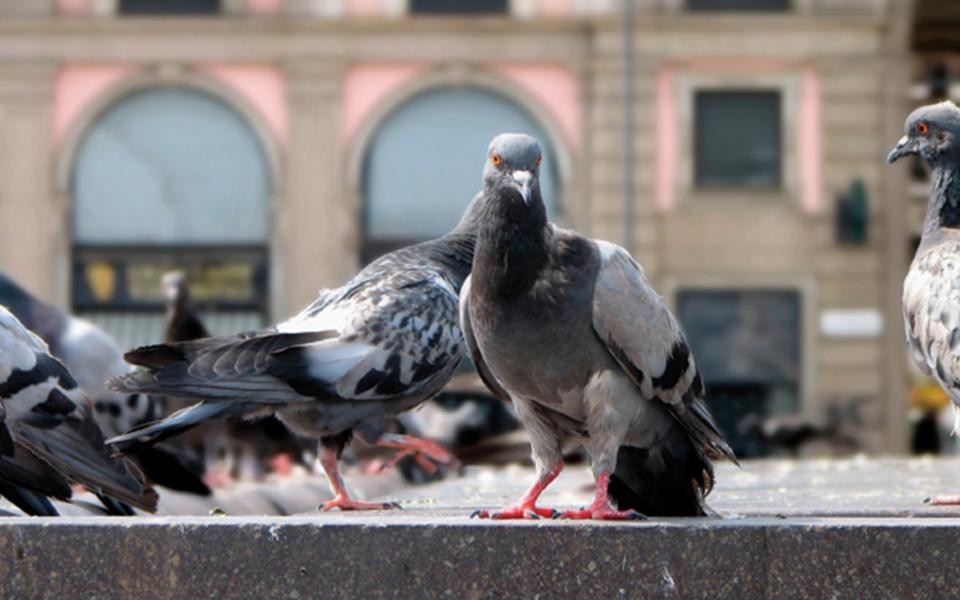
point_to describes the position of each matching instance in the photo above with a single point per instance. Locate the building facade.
(272, 146)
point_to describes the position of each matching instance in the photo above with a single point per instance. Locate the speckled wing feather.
(641, 334)
(388, 332)
(931, 314)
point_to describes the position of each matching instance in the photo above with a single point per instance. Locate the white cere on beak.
(523, 181)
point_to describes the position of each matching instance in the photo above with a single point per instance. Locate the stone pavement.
(853, 528)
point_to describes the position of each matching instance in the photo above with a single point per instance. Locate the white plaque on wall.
(851, 322)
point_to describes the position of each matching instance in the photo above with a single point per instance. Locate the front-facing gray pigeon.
(382, 343)
(48, 437)
(571, 331)
(931, 291)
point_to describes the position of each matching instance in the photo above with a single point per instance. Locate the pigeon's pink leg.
(528, 509)
(945, 501)
(423, 451)
(330, 464)
(602, 508)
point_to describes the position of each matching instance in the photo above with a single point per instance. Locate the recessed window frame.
(706, 8)
(686, 84)
(182, 8)
(698, 153)
(416, 8)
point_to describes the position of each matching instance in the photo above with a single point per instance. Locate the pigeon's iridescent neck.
(943, 211)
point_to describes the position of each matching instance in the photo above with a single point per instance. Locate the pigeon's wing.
(393, 336)
(47, 416)
(482, 369)
(931, 314)
(641, 334)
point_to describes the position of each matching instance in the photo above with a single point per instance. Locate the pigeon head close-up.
(930, 132)
(513, 165)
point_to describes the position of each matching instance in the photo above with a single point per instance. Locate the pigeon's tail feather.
(667, 480)
(116, 508)
(699, 425)
(164, 467)
(75, 449)
(177, 423)
(30, 503)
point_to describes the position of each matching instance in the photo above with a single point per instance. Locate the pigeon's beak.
(523, 180)
(905, 146)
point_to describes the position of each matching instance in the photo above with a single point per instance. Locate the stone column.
(315, 228)
(34, 237)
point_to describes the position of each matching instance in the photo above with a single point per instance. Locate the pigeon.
(569, 329)
(791, 433)
(93, 357)
(359, 355)
(238, 441)
(931, 290)
(48, 437)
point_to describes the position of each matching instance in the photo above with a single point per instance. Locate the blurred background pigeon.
(48, 437)
(93, 357)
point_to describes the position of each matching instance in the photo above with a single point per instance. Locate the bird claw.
(343, 504)
(603, 514)
(517, 512)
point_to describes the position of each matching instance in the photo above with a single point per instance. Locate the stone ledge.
(413, 556)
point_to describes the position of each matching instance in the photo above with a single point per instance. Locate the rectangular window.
(747, 346)
(738, 5)
(737, 139)
(453, 7)
(168, 7)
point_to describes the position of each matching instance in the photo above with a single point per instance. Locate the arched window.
(170, 178)
(425, 164)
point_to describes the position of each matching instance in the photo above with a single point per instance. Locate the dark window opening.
(747, 346)
(168, 7)
(738, 5)
(737, 139)
(454, 7)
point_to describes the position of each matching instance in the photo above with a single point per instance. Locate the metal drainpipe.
(628, 67)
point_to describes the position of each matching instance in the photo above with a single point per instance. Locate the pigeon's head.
(174, 285)
(513, 167)
(932, 132)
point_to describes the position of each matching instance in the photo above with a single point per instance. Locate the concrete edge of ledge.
(437, 556)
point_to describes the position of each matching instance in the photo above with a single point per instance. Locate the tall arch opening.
(170, 178)
(424, 164)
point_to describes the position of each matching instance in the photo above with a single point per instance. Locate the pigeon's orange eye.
(495, 159)
(539, 160)
(922, 128)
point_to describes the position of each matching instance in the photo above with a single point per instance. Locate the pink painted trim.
(363, 8)
(555, 86)
(74, 8)
(809, 141)
(263, 86)
(554, 8)
(365, 86)
(264, 7)
(76, 86)
(666, 132)
(737, 65)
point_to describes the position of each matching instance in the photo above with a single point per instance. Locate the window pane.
(425, 164)
(721, 5)
(747, 346)
(168, 7)
(171, 166)
(458, 6)
(737, 139)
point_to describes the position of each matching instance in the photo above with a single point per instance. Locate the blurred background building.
(270, 147)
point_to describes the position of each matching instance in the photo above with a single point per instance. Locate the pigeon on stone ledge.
(571, 331)
(931, 291)
(360, 354)
(48, 438)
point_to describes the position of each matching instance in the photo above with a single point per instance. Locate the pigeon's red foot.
(528, 511)
(603, 514)
(944, 501)
(425, 452)
(346, 503)
(216, 478)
